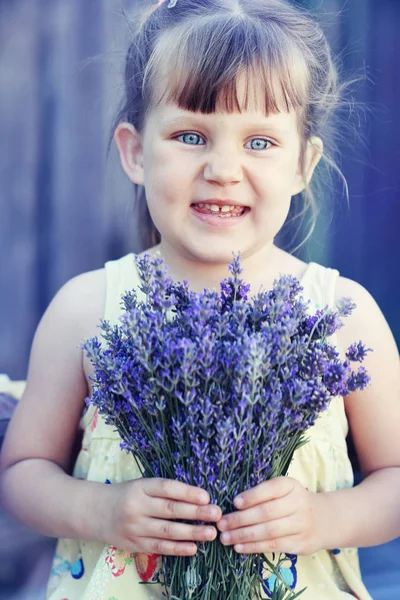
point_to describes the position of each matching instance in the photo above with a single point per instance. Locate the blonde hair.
(195, 53)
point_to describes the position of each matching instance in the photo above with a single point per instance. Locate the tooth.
(201, 205)
(214, 208)
(226, 209)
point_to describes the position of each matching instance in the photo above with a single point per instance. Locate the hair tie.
(171, 3)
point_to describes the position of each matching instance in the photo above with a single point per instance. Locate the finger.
(174, 509)
(261, 513)
(170, 488)
(289, 545)
(170, 530)
(265, 491)
(167, 547)
(263, 531)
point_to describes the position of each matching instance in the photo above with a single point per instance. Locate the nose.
(223, 168)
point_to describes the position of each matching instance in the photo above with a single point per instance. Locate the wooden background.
(65, 207)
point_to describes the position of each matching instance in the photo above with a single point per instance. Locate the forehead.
(247, 107)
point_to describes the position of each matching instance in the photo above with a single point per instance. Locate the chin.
(214, 255)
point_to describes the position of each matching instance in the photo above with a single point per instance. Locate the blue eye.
(259, 144)
(192, 139)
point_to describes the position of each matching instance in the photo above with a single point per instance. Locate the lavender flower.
(217, 390)
(357, 352)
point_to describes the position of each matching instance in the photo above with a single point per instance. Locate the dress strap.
(319, 285)
(121, 276)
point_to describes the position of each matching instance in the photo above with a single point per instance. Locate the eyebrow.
(175, 121)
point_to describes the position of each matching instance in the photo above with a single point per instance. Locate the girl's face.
(190, 163)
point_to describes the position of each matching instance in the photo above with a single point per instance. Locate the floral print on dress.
(287, 571)
(94, 420)
(78, 568)
(117, 560)
(60, 567)
(147, 566)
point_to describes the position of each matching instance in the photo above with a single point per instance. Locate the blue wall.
(65, 209)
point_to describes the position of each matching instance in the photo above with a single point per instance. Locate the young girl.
(221, 127)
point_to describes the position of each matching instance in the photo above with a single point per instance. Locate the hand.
(278, 515)
(143, 511)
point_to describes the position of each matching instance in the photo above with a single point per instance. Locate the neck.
(259, 269)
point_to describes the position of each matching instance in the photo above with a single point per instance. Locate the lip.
(218, 222)
(220, 202)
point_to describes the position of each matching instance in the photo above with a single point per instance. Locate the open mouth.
(223, 212)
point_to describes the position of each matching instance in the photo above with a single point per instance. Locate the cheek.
(274, 186)
(165, 191)
(161, 160)
(278, 171)
(169, 179)
(283, 180)
(275, 193)
(156, 173)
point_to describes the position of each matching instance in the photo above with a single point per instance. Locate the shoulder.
(365, 303)
(81, 300)
(374, 413)
(350, 288)
(367, 321)
(73, 315)
(85, 287)
(45, 421)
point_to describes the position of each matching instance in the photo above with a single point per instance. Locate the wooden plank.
(18, 172)
(120, 224)
(77, 242)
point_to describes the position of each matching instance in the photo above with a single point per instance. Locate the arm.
(35, 485)
(369, 514)
(37, 450)
(281, 516)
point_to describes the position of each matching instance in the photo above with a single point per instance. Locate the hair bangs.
(224, 64)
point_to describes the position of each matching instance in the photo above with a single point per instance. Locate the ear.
(130, 149)
(313, 153)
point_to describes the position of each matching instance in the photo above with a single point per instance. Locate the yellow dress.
(89, 571)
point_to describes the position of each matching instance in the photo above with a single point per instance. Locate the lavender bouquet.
(218, 391)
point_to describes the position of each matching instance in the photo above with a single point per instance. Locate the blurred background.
(66, 207)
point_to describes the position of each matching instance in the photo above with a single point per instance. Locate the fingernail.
(225, 538)
(239, 547)
(214, 512)
(239, 502)
(210, 532)
(223, 523)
